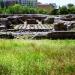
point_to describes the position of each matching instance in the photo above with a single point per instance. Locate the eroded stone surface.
(60, 27)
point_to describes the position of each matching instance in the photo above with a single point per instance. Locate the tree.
(63, 10)
(70, 5)
(55, 12)
(71, 10)
(1, 10)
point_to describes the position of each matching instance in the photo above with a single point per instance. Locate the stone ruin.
(68, 18)
(6, 23)
(32, 21)
(15, 19)
(48, 21)
(7, 36)
(61, 35)
(60, 27)
(20, 19)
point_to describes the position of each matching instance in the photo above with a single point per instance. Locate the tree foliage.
(69, 9)
(70, 5)
(20, 9)
(63, 10)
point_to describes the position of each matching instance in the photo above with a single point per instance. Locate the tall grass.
(37, 57)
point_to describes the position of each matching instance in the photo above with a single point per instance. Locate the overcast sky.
(58, 2)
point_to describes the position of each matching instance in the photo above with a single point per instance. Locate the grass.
(37, 57)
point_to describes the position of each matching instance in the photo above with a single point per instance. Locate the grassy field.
(37, 57)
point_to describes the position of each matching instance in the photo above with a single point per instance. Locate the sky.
(58, 2)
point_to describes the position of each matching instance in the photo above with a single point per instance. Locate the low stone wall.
(31, 21)
(39, 18)
(3, 21)
(6, 23)
(4, 16)
(51, 35)
(27, 16)
(61, 35)
(38, 37)
(48, 21)
(20, 18)
(68, 18)
(7, 36)
(15, 19)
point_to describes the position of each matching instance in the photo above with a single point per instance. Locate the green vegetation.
(68, 9)
(20, 9)
(37, 57)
